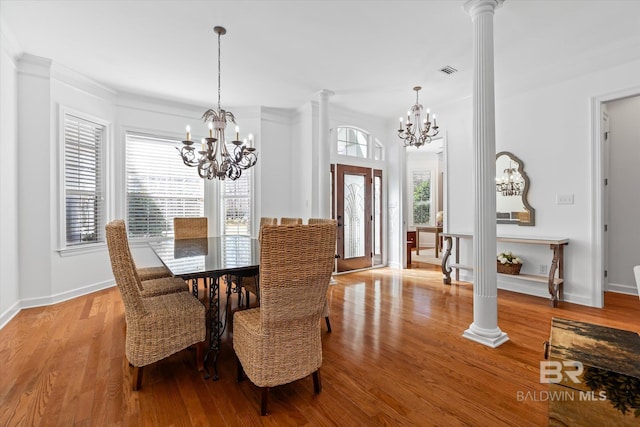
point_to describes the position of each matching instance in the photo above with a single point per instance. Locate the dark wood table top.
(210, 256)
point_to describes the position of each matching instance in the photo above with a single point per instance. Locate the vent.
(448, 69)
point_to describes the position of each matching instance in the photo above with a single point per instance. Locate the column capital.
(478, 7)
(324, 93)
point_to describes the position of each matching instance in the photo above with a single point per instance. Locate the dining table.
(217, 260)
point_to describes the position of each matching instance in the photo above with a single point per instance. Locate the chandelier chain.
(219, 34)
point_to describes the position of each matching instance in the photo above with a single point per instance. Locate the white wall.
(9, 243)
(549, 128)
(624, 203)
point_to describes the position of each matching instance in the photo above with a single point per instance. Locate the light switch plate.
(564, 199)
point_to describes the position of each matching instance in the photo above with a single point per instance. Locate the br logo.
(554, 371)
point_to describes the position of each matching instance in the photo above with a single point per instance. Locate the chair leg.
(137, 377)
(317, 384)
(265, 401)
(326, 319)
(200, 355)
(240, 370)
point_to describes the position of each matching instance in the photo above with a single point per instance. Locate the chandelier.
(417, 133)
(511, 183)
(214, 160)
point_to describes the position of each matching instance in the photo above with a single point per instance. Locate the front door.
(353, 212)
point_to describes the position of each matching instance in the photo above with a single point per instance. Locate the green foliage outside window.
(421, 203)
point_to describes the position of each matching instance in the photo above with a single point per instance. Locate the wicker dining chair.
(325, 311)
(148, 287)
(250, 284)
(290, 221)
(279, 342)
(156, 327)
(190, 227)
(154, 272)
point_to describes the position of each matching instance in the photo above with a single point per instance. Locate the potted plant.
(508, 263)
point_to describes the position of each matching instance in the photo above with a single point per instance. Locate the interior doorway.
(603, 130)
(620, 135)
(359, 215)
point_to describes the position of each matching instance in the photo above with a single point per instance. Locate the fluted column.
(324, 136)
(484, 328)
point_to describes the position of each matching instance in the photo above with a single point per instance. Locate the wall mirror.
(512, 187)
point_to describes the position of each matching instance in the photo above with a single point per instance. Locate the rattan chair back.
(190, 227)
(123, 267)
(321, 221)
(290, 221)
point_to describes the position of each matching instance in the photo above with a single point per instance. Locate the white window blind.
(159, 186)
(236, 196)
(83, 181)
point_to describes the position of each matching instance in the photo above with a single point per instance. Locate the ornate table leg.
(556, 264)
(215, 327)
(194, 287)
(446, 270)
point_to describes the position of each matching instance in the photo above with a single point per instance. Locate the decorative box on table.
(509, 268)
(607, 391)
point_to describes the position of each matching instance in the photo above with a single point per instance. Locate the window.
(236, 204)
(83, 180)
(352, 142)
(421, 181)
(159, 186)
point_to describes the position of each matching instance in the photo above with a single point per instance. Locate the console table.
(437, 230)
(557, 262)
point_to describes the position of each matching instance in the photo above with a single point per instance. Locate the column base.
(489, 337)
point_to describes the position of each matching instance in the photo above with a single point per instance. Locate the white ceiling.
(281, 53)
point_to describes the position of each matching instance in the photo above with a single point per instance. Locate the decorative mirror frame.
(525, 192)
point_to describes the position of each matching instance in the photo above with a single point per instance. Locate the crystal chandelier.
(214, 160)
(417, 133)
(511, 183)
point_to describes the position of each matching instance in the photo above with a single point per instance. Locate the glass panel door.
(354, 218)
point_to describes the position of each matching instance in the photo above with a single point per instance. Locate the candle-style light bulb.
(435, 124)
(188, 133)
(428, 111)
(202, 147)
(237, 133)
(210, 129)
(400, 123)
(250, 139)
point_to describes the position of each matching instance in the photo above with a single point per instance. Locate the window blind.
(236, 197)
(83, 181)
(159, 186)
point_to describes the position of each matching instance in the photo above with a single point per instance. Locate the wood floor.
(396, 356)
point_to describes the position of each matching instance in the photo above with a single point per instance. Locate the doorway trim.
(597, 192)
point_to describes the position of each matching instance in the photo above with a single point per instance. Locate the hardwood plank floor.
(396, 356)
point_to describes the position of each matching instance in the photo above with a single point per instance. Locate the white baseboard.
(53, 299)
(9, 314)
(621, 289)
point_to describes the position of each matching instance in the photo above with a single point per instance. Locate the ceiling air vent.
(448, 69)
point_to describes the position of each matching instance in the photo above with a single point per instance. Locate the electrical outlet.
(542, 269)
(564, 199)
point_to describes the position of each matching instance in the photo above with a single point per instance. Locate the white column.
(324, 133)
(484, 328)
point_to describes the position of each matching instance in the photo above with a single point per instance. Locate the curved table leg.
(446, 270)
(556, 264)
